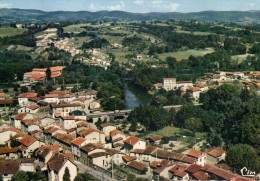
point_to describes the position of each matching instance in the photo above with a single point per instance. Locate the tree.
(243, 155)
(39, 176)
(66, 176)
(24, 89)
(20, 176)
(194, 124)
(98, 124)
(48, 73)
(171, 61)
(1, 177)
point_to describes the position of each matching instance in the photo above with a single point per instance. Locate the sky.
(138, 6)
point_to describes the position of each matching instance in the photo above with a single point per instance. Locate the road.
(84, 168)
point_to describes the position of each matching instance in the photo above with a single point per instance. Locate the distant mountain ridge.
(33, 16)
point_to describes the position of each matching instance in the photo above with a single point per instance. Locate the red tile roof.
(137, 151)
(27, 140)
(68, 117)
(20, 116)
(78, 141)
(132, 140)
(194, 89)
(129, 158)
(220, 172)
(137, 165)
(155, 138)
(33, 106)
(91, 146)
(88, 131)
(28, 95)
(2, 94)
(6, 150)
(9, 166)
(194, 153)
(179, 170)
(149, 149)
(98, 154)
(155, 164)
(200, 175)
(216, 152)
(115, 132)
(193, 168)
(57, 161)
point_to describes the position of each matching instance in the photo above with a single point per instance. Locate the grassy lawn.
(240, 58)
(74, 28)
(186, 54)
(166, 131)
(11, 31)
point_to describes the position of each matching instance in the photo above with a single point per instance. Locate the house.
(68, 122)
(44, 154)
(6, 103)
(139, 167)
(56, 71)
(76, 144)
(33, 108)
(9, 167)
(18, 119)
(57, 165)
(162, 171)
(90, 94)
(32, 77)
(46, 121)
(63, 140)
(195, 93)
(2, 95)
(92, 135)
(178, 172)
(184, 85)
(147, 154)
(64, 109)
(117, 138)
(88, 149)
(133, 142)
(23, 98)
(196, 172)
(94, 106)
(6, 134)
(28, 145)
(158, 86)
(215, 155)
(201, 157)
(155, 139)
(107, 128)
(9, 153)
(169, 83)
(30, 125)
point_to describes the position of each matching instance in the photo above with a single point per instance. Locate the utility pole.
(112, 176)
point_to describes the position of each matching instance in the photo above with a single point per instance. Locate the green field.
(75, 28)
(11, 31)
(240, 58)
(186, 54)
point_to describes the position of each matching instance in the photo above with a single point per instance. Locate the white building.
(169, 83)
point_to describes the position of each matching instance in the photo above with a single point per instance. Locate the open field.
(74, 28)
(11, 31)
(241, 58)
(186, 54)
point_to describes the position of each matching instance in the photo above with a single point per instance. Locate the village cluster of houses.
(40, 74)
(63, 44)
(50, 146)
(97, 59)
(49, 36)
(211, 80)
(56, 141)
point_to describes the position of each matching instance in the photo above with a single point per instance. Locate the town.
(129, 100)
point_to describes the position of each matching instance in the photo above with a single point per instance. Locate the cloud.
(173, 7)
(5, 5)
(98, 7)
(120, 6)
(139, 2)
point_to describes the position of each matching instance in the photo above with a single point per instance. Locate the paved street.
(84, 168)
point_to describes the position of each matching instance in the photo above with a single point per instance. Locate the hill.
(33, 16)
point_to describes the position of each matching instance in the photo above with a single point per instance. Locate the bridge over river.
(124, 113)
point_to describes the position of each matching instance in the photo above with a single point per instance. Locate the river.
(135, 97)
